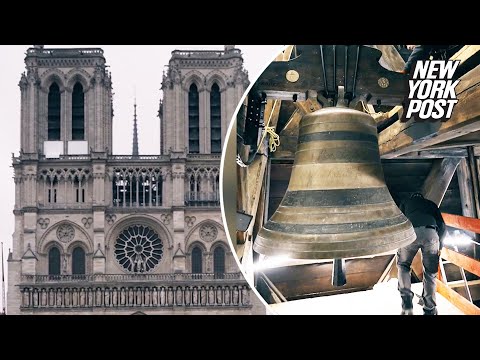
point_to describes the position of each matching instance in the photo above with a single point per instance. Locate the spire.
(135, 131)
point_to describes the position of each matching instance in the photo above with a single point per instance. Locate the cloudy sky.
(136, 71)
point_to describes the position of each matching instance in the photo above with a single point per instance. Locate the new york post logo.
(431, 91)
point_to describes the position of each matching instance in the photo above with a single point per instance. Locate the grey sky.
(136, 71)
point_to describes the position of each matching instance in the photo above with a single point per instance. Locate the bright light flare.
(457, 238)
(271, 262)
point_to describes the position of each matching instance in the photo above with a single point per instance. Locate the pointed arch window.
(197, 259)
(54, 261)
(54, 112)
(215, 120)
(78, 261)
(78, 112)
(193, 120)
(219, 261)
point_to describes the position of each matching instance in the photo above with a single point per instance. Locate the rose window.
(138, 249)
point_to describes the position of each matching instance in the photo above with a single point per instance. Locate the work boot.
(407, 312)
(407, 306)
(430, 312)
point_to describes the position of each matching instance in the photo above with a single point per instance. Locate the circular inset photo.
(320, 171)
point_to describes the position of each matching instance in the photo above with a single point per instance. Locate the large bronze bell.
(337, 204)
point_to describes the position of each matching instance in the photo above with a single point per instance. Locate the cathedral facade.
(97, 233)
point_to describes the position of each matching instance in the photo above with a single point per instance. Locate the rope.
(274, 139)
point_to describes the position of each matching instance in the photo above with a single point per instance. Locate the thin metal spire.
(135, 130)
(3, 284)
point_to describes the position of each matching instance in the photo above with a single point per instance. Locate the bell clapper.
(338, 272)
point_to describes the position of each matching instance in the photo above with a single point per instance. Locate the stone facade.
(103, 233)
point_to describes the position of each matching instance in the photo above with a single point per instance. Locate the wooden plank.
(308, 106)
(456, 299)
(461, 283)
(388, 270)
(465, 53)
(472, 163)
(435, 154)
(401, 138)
(439, 178)
(291, 127)
(461, 260)
(462, 222)
(285, 54)
(301, 280)
(466, 189)
(476, 152)
(471, 139)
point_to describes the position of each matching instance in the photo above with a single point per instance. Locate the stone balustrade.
(129, 290)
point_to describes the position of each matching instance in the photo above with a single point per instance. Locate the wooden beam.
(476, 152)
(461, 141)
(463, 261)
(462, 222)
(438, 180)
(388, 269)
(472, 163)
(466, 189)
(254, 174)
(465, 53)
(456, 299)
(461, 283)
(308, 106)
(291, 127)
(435, 154)
(401, 138)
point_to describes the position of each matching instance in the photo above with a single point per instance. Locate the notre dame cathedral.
(97, 233)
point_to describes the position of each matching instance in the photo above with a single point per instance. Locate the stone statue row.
(236, 295)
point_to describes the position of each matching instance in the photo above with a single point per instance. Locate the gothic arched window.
(78, 113)
(193, 120)
(215, 120)
(197, 259)
(54, 261)
(54, 112)
(78, 261)
(219, 261)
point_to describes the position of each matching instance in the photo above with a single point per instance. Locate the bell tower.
(66, 103)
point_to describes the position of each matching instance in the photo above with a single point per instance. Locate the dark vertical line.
(346, 67)
(324, 71)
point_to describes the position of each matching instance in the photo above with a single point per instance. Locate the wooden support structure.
(401, 138)
(463, 261)
(254, 176)
(462, 222)
(474, 170)
(387, 273)
(465, 53)
(439, 178)
(435, 154)
(456, 299)
(470, 139)
(466, 189)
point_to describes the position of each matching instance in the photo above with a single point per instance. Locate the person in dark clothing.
(430, 229)
(419, 52)
(423, 52)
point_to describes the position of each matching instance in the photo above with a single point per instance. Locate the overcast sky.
(136, 71)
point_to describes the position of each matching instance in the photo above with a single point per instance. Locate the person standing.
(430, 229)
